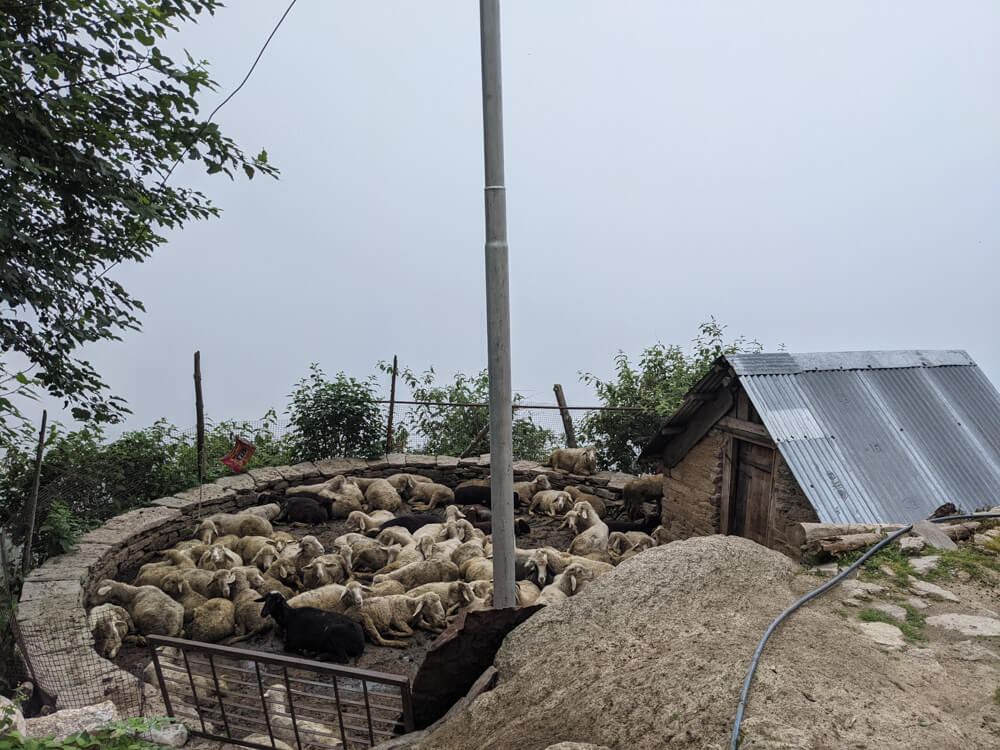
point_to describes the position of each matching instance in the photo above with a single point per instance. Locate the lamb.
(622, 546)
(565, 584)
(330, 598)
(453, 594)
(421, 572)
(579, 494)
(268, 511)
(403, 483)
(241, 524)
(219, 558)
(309, 630)
(247, 547)
(212, 621)
(647, 489)
(325, 569)
(477, 569)
(109, 624)
(551, 502)
(368, 523)
(574, 460)
(381, 495)
(393, 616)
(431, 494)
(152, 611)
(526, 490)
(306, 511)
(411, 522)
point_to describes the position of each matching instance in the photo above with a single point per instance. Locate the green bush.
(656, 384)
(449, 430)
(339, 417)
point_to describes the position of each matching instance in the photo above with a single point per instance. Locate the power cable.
(734, 740)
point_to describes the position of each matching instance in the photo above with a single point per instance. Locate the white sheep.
(330, 598)
(550, 502)
(593, 541)
(240, 524)
(152, 611)
(325, 569)
(420, 572)
(454, 594)
(623, 545)
(404, 483)
(268, 512)
(527, 490)
(366, 523)
(394, 535)
(219, 558)
(381, 495)
(212, 621)
(393, 616)
(247, 547)
(426, 496)
(248, 621)
(565, 585)
(109, 625)
(477, 569)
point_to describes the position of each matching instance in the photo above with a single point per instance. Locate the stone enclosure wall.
(691, 490)
(56, 594)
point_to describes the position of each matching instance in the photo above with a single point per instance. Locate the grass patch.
(889, 556)
(841, 613)
(912, 627)
(967, 559)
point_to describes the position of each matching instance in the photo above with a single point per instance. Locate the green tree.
(656, 384)
(339, 417)
(448, 430)
(94, 118)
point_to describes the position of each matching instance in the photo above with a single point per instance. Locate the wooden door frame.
(727, 485)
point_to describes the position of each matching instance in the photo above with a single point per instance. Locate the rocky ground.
(654, 654)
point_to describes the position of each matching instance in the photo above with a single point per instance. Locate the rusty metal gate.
(268, 701)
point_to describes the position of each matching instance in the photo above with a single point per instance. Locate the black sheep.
(308, 630)
(306, 510)
(646, 525)
(473, 495)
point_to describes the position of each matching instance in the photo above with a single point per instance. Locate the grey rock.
(174, 735)
(862, 589)
(923, 588)
(883, 634)
(17, 718)
(966, 624)
(69, 721)
(828, 570)
(970, 651)
(923, 564)
(917, 603)
(576, 746)
(893, 610)
(933, 535)
(912, 545)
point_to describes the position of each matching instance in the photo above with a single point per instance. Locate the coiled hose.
(735, 739)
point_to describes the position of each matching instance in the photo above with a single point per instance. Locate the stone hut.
(768, 440)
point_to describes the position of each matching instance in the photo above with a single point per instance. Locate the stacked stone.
(692, 490)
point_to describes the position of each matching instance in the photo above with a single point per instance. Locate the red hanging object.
(238, 458)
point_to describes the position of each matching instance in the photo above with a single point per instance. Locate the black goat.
(307, 630)
(521, 527)
(473, 495)
(646, 525)
(413, 521)
(306, 510)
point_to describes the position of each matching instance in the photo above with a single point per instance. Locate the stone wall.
(790, 507)
(691, 496)
(56, 594)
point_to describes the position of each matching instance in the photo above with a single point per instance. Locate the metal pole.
(392, 404)
(497, 311)
(199, 406)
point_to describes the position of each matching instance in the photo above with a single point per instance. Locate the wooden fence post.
(29, 520)
(199, 406)
(392, 404)
(567, 420)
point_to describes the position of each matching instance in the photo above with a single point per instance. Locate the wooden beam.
(741, 428)
(698, 426)
(726, 487)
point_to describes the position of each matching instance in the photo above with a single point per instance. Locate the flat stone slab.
(917, 603)
(923, 564)
(967, 624)
(72, 721)
(883, 634)
(421, 461)
(893, 610)
(331, 467)
(923, 588)
(237, 482)
(933, 534)
(861, 589)
(912, 545)
(971, 651)
(449, 462)
(266, 477)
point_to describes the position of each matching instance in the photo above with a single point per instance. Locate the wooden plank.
(699, 425)
(726, 487)
(755, 433)
(567, 420)
(742, 404)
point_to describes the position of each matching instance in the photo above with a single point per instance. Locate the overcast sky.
(820, 175)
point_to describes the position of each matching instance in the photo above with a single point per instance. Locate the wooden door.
(750, 502)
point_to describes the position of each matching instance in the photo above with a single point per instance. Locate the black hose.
(735, 738)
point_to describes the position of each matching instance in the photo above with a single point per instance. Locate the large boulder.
(654, 654)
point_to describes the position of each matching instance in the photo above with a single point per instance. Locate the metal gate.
(268, 701)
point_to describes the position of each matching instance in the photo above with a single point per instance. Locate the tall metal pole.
(497, 312)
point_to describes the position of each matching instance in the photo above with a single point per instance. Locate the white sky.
(822, 175)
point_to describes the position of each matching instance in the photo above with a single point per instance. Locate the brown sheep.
(642, 490)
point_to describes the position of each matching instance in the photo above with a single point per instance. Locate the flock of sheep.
(397, 570)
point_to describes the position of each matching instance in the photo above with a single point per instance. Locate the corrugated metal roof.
(880, 437)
